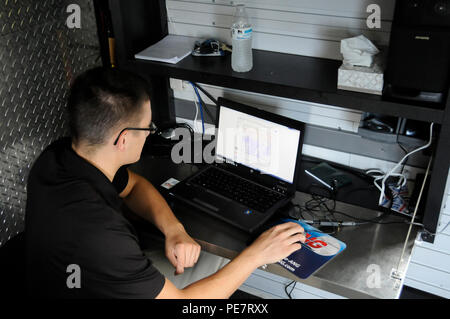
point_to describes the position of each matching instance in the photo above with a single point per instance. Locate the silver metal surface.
(362, 270)
(39, 56)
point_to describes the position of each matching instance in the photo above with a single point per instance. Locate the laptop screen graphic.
(257, 143)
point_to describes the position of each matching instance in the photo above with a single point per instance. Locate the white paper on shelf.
(171, 49)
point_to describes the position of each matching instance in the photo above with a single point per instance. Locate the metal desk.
(370, 247)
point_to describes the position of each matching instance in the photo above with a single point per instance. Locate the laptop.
(255, 171)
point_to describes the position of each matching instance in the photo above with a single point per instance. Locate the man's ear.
(121, 142)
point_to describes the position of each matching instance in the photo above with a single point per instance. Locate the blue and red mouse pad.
(318, 249)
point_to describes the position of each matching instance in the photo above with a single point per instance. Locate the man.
(78, 242)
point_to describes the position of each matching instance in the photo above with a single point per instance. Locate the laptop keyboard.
(240, 190)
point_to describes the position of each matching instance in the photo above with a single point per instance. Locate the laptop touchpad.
(211, 200)
(203, 203)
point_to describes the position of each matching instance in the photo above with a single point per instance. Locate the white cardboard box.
(361, 78)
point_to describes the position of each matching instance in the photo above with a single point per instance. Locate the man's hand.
(181, 250)
(276, 243)
(143, 199)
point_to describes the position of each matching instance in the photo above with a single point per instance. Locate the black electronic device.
(329, 176)
(418, 65)
(255, 170)
(210, 47)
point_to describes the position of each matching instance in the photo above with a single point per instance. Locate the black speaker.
(418, 66)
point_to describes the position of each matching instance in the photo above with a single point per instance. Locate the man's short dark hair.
(102, 98)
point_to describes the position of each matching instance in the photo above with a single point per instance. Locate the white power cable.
(391, 172)
(196, 111)
(380, 175)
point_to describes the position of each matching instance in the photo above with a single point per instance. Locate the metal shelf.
(286, 75)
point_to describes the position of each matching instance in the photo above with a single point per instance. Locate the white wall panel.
(432, 258)
(312, 28)
(446, 205)
(298, 28)
(426, 287)
(429, 276)
(264, 41)
(441, 243)
(311, 113)
(278, 15)
(444, 225)
(267, 285)
(340, 8)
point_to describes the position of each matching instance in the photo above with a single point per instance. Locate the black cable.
(207, 94)
(289, 294)
(185, 125)
(161, 129)
(317, 202)
(405, 151)
(375, 220)
(206, 108)
(301, 213)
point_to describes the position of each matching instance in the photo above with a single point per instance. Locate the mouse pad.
(318, 249)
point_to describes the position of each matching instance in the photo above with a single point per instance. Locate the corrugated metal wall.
(39, 55)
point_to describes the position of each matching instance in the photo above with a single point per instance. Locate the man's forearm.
(223, 283)
(271, 246)
(145, 200)
(181, 249)
(219, 285)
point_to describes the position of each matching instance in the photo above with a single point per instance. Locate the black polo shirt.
(74, 225)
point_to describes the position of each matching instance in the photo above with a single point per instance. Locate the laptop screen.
(260, 144)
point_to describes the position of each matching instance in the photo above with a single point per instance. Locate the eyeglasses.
(152, 129)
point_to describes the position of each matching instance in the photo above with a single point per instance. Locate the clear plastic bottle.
(241, 40)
